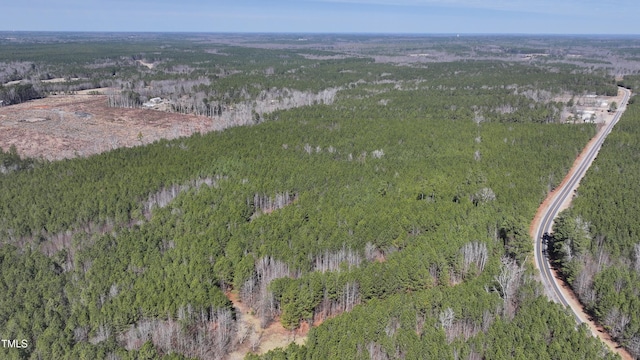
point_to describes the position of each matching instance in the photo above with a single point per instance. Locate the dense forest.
(387, 206)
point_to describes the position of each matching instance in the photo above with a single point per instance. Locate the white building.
(588, 116)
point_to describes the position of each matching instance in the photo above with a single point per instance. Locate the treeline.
(226, 84)
(205, 78)
(596, 241)
(631, 82)
(11, 161)
(19, 93)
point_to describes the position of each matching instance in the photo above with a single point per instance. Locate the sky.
(326, 16)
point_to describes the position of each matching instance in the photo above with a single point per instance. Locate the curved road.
(563, 193)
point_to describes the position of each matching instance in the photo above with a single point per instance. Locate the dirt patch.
(66, 126)
(258, 340)
(15, 82)
(148, 65)
(60, 80)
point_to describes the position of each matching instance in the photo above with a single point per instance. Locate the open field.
(67, 126)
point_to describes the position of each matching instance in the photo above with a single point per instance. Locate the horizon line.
(317, 33)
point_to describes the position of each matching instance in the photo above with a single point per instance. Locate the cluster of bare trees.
(617, 321)
(583, 283)
(537, 95)
(103, 333)
(483, 196)
(264, 204)
(252, 111)
(201, 334)
(174, 89)
(124, 99)
(282, 99)
(63, 246)
(14, 70)
(376, 351)
(255, 290)
(506, 109)
(591, 265)
(234, 108)
(16, 94)
(377, 154)
(508, 282)
(332, 261)
(587, 264)
(256, 294)
(474, 254)
(164, 196)
(246, 111)
(58, 88)
(310, 149)
(462, 328)
(634, 346)
(346, 300)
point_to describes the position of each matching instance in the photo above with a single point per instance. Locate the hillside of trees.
(393, 217)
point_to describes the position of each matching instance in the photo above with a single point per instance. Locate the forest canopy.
(384, 205)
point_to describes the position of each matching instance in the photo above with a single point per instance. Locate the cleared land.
(67, 126)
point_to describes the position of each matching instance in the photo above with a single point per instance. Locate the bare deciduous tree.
(371, 252)
(483, 196)
(377, 154)
(255, 339)
(205, 334)
(331, 305)
(102, 333)
(634, 346)
(508, 282)
(308, 148)
(446, 318)
(392, 326)
(583, 283)
(420, 320)
(487, 320)
(255, 291)
(617, 322)
(376, 351)
(331, 261)
(266, 204)
(475, 253)
(244, 331)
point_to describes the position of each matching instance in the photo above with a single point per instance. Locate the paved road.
(561, 194)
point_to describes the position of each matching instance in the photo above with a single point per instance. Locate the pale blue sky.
(352, 16)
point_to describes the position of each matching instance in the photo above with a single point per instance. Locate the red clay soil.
(66, 126)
